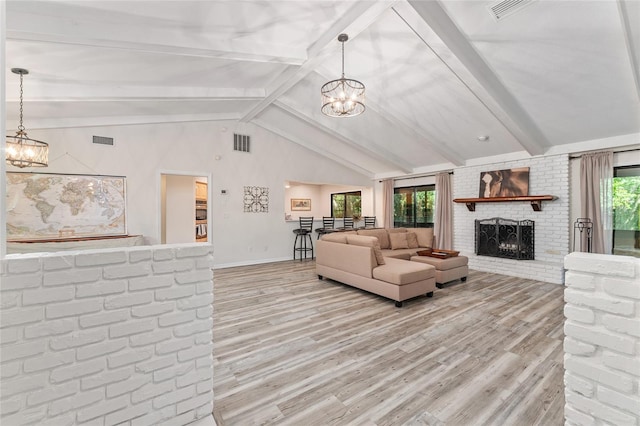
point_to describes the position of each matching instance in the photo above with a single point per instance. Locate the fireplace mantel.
(536, 201)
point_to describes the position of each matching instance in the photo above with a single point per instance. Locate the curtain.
(387, 203)
(444, 212)
(596, 197)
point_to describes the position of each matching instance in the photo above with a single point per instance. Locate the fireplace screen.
(505, 238)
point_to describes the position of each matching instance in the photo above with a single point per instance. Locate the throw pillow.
(398, 240)
(425, 236)
(365, 241)
(412, 240)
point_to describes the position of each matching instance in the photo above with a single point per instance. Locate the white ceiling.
(438, 73)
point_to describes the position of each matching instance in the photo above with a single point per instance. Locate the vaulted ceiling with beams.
(439, 74)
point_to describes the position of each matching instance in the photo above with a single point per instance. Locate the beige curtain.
(444, 212)
(387, 203)
(596, 198)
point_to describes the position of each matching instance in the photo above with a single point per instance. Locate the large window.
(626, 211)
(413, 207)
(346, 204)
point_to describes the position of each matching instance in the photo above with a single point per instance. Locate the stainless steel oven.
(201, 210)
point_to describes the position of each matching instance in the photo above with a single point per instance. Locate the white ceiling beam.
(310, 146)
(74, 122)
(632, 44)
(56, 90)
(512, 115)
(358, 18)
(218, 50)
(377, 152)
(61, 23)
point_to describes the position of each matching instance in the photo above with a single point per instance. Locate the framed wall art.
(300, 204)
(49, 206)
(256, 199)
(504, 183)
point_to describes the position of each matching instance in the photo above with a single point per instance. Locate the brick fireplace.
(547, 175)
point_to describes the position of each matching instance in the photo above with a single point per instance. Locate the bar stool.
(369, 221)
(347, 223)
(327, 226)
(304, 233)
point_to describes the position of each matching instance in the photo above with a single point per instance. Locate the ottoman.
(449, 269)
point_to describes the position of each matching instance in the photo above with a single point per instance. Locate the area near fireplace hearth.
(547, 175)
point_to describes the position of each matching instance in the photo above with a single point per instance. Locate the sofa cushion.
(443, 264)
(380, 234)
(412, 240)
(335, 237)
(398, 240)
(425, 236)
(365, 241)
(401, 272)
(400, 253)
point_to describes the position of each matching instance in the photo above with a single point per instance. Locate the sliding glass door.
(626, 211)
(413, 207)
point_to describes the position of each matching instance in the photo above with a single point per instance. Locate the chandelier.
(21, 150)
(343, 97)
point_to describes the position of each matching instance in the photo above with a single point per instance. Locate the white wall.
(142, 152)
(107, 336)
(602, 340)
(547, 176)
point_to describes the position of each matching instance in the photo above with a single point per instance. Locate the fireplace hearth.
(505, 238)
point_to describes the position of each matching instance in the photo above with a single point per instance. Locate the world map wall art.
(44, 206)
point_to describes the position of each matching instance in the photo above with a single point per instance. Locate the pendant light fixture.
(343, 97)
(21, 150)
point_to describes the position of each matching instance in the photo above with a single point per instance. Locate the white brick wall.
(547, 176)
(107, 336)
(602, 340)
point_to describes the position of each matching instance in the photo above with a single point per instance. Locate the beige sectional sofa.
(398, 242)
(357, 260)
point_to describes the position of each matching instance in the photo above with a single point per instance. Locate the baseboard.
(250, 262)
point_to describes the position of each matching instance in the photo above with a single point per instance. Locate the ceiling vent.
(502, 9)
(241, 143)
(103, 140)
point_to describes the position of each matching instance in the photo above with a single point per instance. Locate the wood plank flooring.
(290, 349)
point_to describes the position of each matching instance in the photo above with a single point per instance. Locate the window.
(413, 207)
(346, 204)
(626, 211)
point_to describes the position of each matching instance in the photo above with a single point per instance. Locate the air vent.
(103, 140)
(502, 9)
(241, 143)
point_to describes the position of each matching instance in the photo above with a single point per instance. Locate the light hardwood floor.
(290, 349)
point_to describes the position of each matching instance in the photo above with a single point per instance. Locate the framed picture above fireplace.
(504, 183)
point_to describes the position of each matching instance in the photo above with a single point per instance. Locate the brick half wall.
(107, 336)
(602, 340)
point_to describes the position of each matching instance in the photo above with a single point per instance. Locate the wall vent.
(103, 140)
(502, 9)
(241, 143)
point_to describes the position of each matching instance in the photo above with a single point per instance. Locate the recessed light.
(483, 138)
